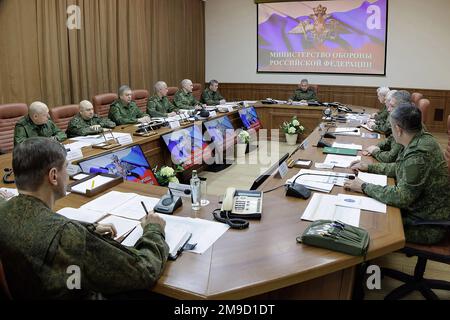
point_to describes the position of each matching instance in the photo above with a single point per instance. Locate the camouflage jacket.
(389, 150)
(25, 128)
(382, 114)
(183, 100)
(80, 127)
(210, 97)
(308, 95)
(422, 189)
(125, 114)
(40, 251)
(382, 123)
(159, 107)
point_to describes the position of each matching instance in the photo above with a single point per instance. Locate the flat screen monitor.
(129, 162)
(221, 130)
(186, 146)
(260, 180)
(250, 118)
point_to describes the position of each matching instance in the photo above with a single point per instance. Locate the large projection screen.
(342, 36)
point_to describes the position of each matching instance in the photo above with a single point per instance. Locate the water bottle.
(195, 191)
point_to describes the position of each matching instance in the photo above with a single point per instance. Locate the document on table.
(320, 183)
(122, 225)
(340, 161)
(9, 193)
(91, 184)
(88, 216)
(360, 202)
(347, 146)
(132, 209)
(377, 179)
(347, 131)
(109, 201)
(324, 207)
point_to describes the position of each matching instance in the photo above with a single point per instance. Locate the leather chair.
(9, 115)
(315, 87)
(141, 98)
(447, 152)
(439, 252)
(4, 289)
(197, 91)
(415, 97)
(102, 102)
(62, 115)
(171, 93)
(423, 105)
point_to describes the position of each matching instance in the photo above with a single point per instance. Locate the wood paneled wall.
(360, 96)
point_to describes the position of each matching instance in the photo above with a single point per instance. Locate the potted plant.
(292, 129)
(167, 174)
(243, 139)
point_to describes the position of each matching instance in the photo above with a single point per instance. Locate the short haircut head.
(85, 104)
(401, 96)
(383, 91)
(304, 81)
(408, 117)
(33, 159)
(390, 94)
(185, 82)
(212, 82)
(122, 90)
(37, 107)
(159, 86)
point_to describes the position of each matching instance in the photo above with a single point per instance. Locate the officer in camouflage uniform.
(41, 250)
(304, 92)
(184, 98)
(37, 124)
(86, 122)
(386, 151)
(393, 99)
(210, 96)
(125, 111)
(422, 189)
(159, 105)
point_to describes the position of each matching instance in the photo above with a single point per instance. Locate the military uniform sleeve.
(20, 134)
(294, 97)
(110, 268)
(154, 110)
(115, 116)
(387, 169)
(312, 96)
(106, 123)
(56, 132)
(182, 102)
(389, 155)
(410, 183)
(207, 99)
(385, 144)
(138, 112)
(76, 128)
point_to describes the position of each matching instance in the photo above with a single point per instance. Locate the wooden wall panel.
(361, 96)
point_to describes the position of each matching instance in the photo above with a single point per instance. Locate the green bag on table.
(337, 236)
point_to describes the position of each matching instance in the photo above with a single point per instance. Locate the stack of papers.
(347, 131)
(377, 179)
(340, 161)
(319, 183)
(360, 202)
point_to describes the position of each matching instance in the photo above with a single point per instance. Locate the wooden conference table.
(265, 261)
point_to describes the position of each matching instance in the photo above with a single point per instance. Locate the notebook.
(342, 151)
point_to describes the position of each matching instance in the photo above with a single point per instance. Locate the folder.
(341, 151)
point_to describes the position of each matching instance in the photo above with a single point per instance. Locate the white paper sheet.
(109, 201)
(319, 183)
(88, 216)
(360, 202)
(87, 185)
(132, 209)
(340, 161)
(122, 225)
(377, 179)
(347, 146)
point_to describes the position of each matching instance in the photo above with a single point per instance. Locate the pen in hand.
(145, 208)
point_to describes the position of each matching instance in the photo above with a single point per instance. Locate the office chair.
(439, 252)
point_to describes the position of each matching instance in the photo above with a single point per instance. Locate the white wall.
(418, 49)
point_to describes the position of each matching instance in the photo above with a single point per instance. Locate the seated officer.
(211, 96)
(86, 122)
(39, 247)
(159, 105)
(37, 124)
(125, 111)
(422, 189)
(381, 95)
(184, 98)
(304, 92)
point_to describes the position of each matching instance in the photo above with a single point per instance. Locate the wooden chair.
(62, 115)
(102, 102)
(424, 105)
(415, 97)
(171, 93)
(140, 96)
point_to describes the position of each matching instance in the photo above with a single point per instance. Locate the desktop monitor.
(129, 162)
(250, 118)
(186, 146)
(220, 130)
(263, 177)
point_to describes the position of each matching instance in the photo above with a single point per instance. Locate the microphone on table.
(169, 203)
(300, 191)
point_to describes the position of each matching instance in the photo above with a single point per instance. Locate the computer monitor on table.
(129, 162)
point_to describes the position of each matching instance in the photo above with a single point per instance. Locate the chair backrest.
(424, 105)
(315, 87)
(140, 96)
(62, 115)
(197, 91)
(3, 284)
(171, 93)
(447, 152)
(9, 115)
(415, 97)
(102, 102)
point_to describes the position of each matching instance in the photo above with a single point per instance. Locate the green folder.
(341, 151)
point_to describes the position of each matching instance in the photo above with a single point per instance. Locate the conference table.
(265, 261)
